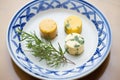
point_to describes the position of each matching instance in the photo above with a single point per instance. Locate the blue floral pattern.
(82, 7)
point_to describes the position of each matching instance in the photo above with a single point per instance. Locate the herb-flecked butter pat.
(74, 43)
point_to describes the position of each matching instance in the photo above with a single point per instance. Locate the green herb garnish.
(44, 49)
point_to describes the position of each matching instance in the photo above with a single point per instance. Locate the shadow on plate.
(95, 75)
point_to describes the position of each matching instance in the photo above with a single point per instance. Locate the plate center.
(89, 33)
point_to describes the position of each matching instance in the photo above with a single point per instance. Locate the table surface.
(109, 70)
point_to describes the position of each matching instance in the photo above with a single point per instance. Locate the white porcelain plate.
(96, 32)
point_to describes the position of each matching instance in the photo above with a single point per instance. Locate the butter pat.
(73, 24)
(48, 28)
(74, 43)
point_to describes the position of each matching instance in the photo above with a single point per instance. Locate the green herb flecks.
(67, 25)
(76, 38)
(44, 49)
(76, 46)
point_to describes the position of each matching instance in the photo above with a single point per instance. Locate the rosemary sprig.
(44, 49)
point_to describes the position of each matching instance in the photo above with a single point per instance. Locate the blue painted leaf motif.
(51, 72)
(93, 58)
(80, 68)
(58, 4)
(86, 12)
(100, 28)
(40, 7)
(16, 26)
(19, 49)
(14, 29)
(36, 8)
(16, 45)
(91, 13)
(95, 23)
(49, 6)
(67, 71)
(22, 25)
(28, 11)
(29, 14)
(23, 16)
(29, 63)
(101, 42)
(97, 53)
(16, 35)
(75, 7)
(64, 4)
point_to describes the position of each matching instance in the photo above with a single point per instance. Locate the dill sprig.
(44, 49)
